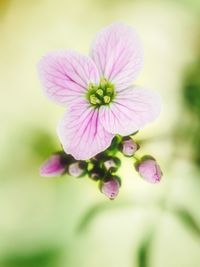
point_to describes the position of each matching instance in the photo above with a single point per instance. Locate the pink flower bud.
(76, 169)
(129, 147)
(53, 166)
(110, 188)
(150, 171)
(111, 164)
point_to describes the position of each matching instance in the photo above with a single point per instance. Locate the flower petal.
(118, 55)
(130, 111)
(65, 75)
(81, 132)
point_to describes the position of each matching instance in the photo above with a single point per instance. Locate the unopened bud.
(96, 174)
(55, 165)
(129, 147)
(111, 164)
(150, 170)
(77, 169)
(110, 187)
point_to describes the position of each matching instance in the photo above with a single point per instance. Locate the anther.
(94, 100)
(109, 90)
(99, 92)
(106, 99)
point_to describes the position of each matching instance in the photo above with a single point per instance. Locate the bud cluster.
(103, 167)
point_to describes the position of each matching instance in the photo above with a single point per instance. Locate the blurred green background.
(67, 222)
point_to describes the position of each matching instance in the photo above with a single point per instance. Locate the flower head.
(150, 170)
(98, 93)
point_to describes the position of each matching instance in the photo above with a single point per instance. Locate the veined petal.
(81, 132)
(131, 110)
(118, 55)
(65, 75)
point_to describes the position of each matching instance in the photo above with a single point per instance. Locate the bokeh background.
(67, 222)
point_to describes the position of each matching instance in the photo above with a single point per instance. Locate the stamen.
(94, 100)
(103, 83)
(99, 92)
(109, 90)
(106, 99)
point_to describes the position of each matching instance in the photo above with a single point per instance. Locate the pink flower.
(150, 171)
(97, 91)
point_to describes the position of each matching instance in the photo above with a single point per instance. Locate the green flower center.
(101, 94)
